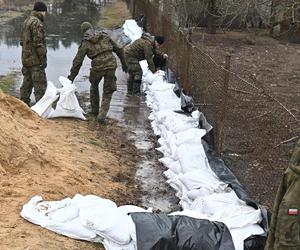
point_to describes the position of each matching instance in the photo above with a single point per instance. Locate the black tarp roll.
(167, 232)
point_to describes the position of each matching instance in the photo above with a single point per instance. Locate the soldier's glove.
(43, 65)
(70, 78)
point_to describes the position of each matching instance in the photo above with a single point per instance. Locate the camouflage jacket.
(33, 42)
(285, 224)
(98, 46)
(142, 49)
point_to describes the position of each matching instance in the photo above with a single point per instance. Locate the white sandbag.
(190, 213)
(190, 136)
(192, 157)
(240, 234)
(202, 178)
(110, 245)
(44, 106)
(166, 161)
(106, 220)
(58, 216)
(175, 167)
(238, 216)
(132, 30)
(128, 209)
(199, 192)
(214, 203)
(169, 174)
(149, 77)
(67, 105)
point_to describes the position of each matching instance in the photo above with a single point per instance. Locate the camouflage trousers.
(109, 87)
(34, 77)
(135, 75)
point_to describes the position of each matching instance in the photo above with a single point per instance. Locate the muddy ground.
(57, 159)
(254, 145)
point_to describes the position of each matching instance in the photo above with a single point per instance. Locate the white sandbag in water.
(44, 106)
(67, 105)
(58, 216)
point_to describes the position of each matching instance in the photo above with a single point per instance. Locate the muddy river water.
(63, 38)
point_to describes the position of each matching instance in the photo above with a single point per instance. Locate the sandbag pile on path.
(202, 195)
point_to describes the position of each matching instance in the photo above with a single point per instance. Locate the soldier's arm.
(38, 35)
(149, 57)
(158, 52)
(120, 53)
(77, 62)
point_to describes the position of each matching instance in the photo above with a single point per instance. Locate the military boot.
(130, 82)
(137, 86)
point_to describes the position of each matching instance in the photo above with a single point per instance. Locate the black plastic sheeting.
(255, 242)
(163, 232)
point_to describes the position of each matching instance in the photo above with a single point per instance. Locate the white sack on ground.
(44, 106)
(59, 216)
(67, 105)
(89, 218)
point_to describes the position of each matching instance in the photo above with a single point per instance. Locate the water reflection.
(62, 23)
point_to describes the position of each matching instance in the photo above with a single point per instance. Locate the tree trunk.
(211, 24)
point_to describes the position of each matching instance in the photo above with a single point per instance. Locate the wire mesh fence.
(253, 128)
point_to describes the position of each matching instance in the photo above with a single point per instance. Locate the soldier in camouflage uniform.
(285, 224)
(34, 54)
(144, 48)
(98, 46)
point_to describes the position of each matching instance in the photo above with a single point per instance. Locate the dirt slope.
(57, 159)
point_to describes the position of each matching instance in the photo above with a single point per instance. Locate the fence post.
(188, 41)
(223, 108)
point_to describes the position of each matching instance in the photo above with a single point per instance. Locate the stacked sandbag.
(202, 195)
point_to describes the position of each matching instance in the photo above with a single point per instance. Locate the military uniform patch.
(293, 211)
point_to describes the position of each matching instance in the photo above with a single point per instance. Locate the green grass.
(6, 82)
(113, 15)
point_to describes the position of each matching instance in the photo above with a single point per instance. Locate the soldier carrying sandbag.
(99, 47)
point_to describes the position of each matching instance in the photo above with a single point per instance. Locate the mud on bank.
(57, 159)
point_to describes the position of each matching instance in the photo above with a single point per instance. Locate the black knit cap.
(159, 39)
(40, 6)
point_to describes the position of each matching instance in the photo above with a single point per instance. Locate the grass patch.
(114, 14)
(6, 82)
(94, 142)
